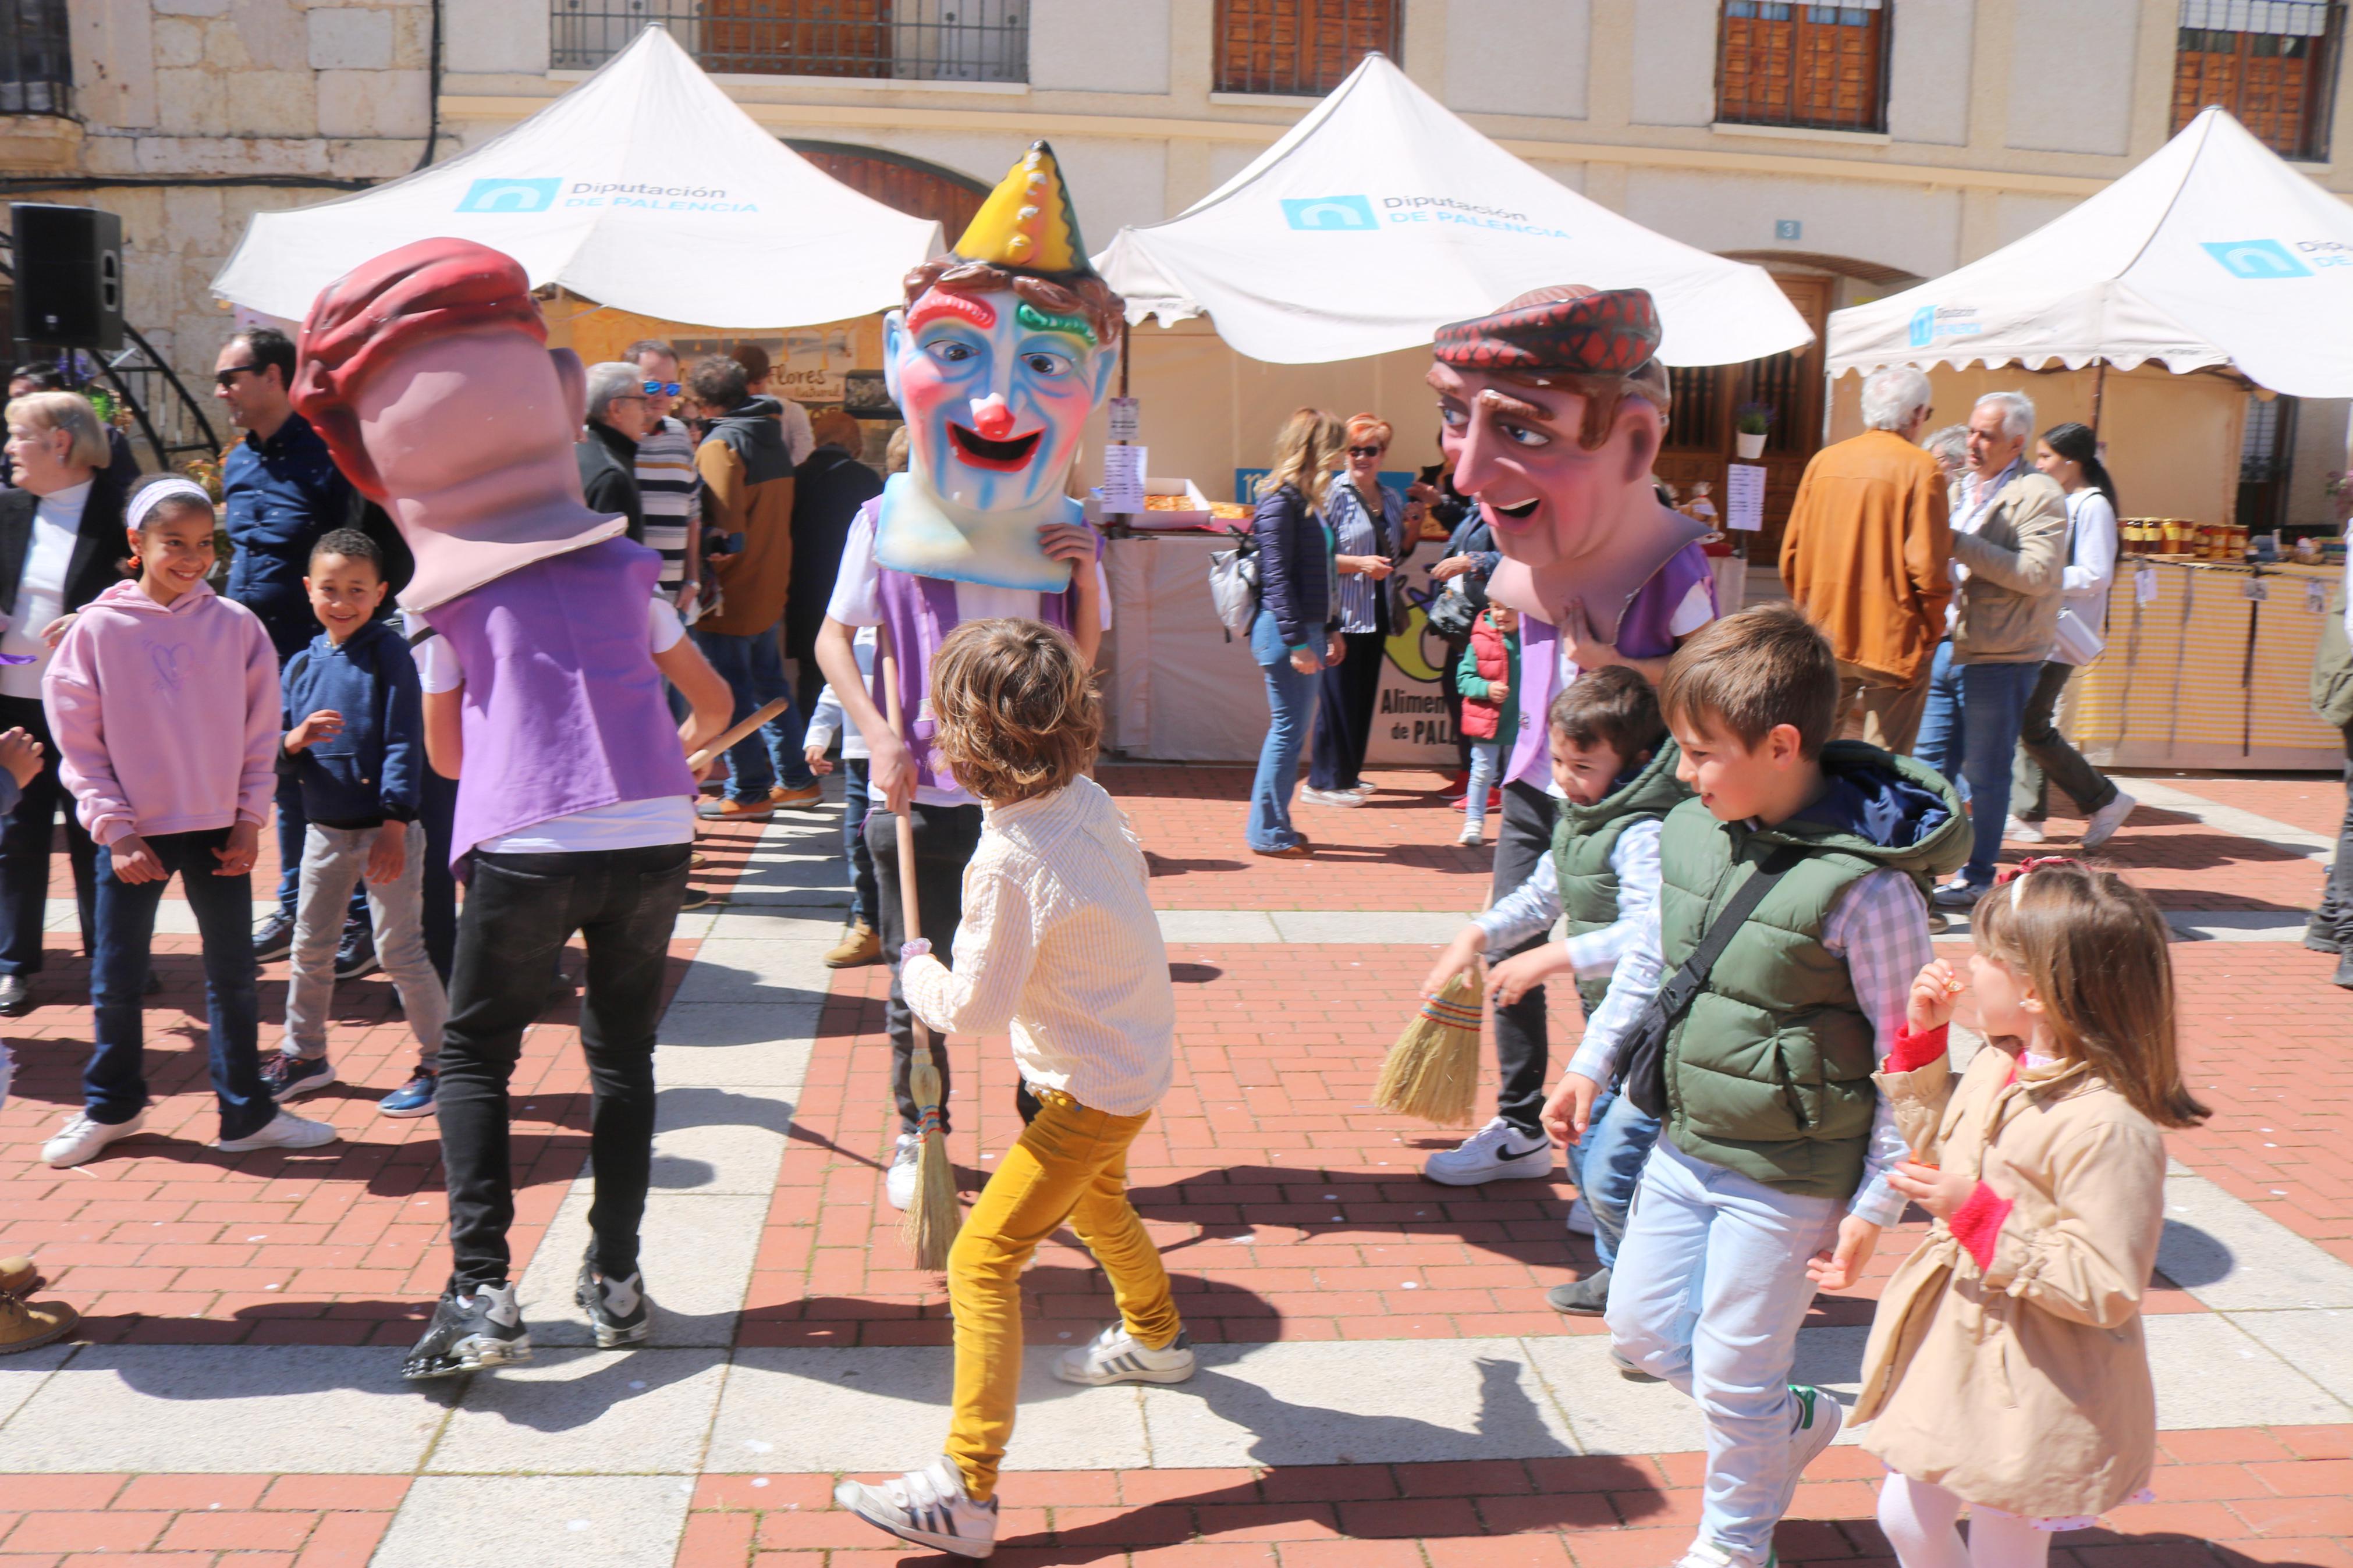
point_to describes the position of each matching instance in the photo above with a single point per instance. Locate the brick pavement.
(1289, 1209)
(162, 1241)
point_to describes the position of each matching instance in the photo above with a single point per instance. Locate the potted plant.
(1751, 423)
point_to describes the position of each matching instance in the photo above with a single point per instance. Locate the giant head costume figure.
(1554, 410)
(1004, 348)
(427, 373)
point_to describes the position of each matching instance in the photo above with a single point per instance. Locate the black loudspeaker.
(68, 292)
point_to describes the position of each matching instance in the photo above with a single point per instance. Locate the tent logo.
(1923, 326)
(509, 196)
(1329, 212)
(2256, 259)
(1930, 322)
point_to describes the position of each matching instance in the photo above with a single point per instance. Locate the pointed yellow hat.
(1027, 224)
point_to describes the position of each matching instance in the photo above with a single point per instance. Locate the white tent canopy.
(1381, 217)
(2212, 252)
(644, 188)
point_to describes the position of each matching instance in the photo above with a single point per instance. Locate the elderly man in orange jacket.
(1867, 555)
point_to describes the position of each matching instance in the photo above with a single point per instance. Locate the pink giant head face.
(1553, 411)
(426, 372)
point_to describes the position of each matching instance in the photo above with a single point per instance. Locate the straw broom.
(930, 1226)
(1432, 1072)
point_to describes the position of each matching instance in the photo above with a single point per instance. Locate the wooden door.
(1706, 399)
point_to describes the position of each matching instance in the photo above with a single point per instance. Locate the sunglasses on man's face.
(1367, 451)
(667, 388)
(229, 377)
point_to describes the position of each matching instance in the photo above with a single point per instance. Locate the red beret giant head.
(361, 321)
(1570, 328)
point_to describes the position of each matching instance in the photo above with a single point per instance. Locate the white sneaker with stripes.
(1114, 1356)
(927, 1507)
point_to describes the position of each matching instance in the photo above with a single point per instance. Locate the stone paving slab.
(538, 1521)
(587, 1412)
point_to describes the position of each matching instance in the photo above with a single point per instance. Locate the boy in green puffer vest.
(1616, 769)
(1769, 1180)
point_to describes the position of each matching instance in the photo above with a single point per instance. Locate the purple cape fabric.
(918, 613)
(1641, 634)
(563, 708)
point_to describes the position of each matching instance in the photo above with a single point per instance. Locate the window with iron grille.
(2269, 62)
(36, 58)
(1303, 46)
(906, 40)
(1821, 66)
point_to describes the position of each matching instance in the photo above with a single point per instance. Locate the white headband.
(155, 495)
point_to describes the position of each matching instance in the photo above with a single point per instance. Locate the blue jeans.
(864, 899)
(1486, 765)
(1291, 704)
(1970, 734)
(114, 1085)
(754, 669)
(1607, 1165)
(1708, 1293)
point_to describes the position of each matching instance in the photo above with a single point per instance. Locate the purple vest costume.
(1642, 633)
(918, 613)
(563, 708)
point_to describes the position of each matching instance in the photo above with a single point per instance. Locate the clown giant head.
(1553, 409)
(427, 373)
(1004, 348)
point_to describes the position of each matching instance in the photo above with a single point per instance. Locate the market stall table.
(2207, 667)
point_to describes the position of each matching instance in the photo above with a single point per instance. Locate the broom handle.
(911, 920)
(736, 732)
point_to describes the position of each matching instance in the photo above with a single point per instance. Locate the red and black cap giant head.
(1568, 328)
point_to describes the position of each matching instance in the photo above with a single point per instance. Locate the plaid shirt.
(1880, 926)
(1616, 950)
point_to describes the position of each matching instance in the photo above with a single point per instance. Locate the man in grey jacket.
(2010, 543)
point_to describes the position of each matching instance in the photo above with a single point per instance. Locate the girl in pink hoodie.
(163, 701)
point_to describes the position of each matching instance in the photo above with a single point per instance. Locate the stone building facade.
(1989, 116)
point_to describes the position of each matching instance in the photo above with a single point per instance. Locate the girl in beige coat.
(2006, 1369)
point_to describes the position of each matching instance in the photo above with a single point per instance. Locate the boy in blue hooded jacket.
(356, 744)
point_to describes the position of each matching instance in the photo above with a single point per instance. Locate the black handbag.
(1643, 1054)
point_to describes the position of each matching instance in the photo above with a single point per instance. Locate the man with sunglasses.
(668, 486)
(282, 493)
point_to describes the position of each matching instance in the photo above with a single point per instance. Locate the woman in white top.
(61, 538)
(2069, 454)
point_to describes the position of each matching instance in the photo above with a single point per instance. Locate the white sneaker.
(1498, 1151)
(1330, 797)
(2106, 820)
(927, 1507)
(1580, 1217)
(1819, 1420)
(284, 1130)
(2017, 830)
(1472, 833)
(81, 1138)
(1708, 1554)
(899, 1183)
(1115, 1357)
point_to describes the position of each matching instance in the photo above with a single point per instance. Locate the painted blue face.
(996, 392)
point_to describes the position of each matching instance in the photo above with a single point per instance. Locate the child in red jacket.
(1491, 719)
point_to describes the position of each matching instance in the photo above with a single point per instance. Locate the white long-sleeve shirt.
(1613, 950)
(1880, 926)
(2092, 559)
(1059, 948)
(828, 719)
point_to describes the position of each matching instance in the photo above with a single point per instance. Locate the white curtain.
(2283, 19)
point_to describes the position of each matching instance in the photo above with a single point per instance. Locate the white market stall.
(644, 188)
(1377, 219)
(2212, 261)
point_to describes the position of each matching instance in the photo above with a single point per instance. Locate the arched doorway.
(909, 184)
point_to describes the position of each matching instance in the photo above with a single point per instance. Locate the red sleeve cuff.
(1912, 1052)
(1977, 1224)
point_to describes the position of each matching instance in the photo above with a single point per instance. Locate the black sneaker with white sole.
(616, 1308)
(469, 1332)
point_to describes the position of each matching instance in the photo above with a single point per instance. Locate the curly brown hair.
(1017, 709)
(1084, 295)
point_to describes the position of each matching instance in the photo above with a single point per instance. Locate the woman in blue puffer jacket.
(1296, 633)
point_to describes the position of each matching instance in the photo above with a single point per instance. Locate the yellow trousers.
(1070, 1164)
